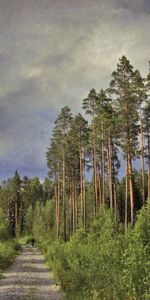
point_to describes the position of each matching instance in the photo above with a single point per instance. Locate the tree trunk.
(148, 166)
(84, 193)
(95, 173)
(110, 173)
(16, 218)
(142, 158)
(71, 208)
(131, 189)
(64, 196)
(103, 170)
(103, 175)
(114, 185)
(81, 188)
(100, 189)
(115, 199)
(126, 200)
(76, 206)
(58, 203)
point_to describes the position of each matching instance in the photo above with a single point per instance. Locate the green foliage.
(29, 220)
(8, 248)
(103, 262)
(27, 239)
(4, 230)
(8, 251)
(43, 221)
(137, 257)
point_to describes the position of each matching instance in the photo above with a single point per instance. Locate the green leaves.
(103, 262)
(8, 251)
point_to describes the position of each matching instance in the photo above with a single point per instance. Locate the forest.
(91, 222)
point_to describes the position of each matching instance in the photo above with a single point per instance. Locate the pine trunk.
(100, 189)
(131, 189)
(103, 170)
(64, 196)
(95, 170)
(142, 158)
(95, 176)
(126, 200)
(115, 199)
(16, 219)
(149, 181)
(81, 188)
(71, 207)
(84, 193)
(58, 203)
(149, 167)
(76, 206)
(110, 173)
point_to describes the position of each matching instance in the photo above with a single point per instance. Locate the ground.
(28, 278)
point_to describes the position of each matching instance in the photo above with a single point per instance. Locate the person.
(33, 242)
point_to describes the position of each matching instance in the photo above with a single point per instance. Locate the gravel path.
(28, 278)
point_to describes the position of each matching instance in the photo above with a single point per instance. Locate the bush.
(4, 230)
(137, 257)
(8, 251)
(103, 262)
(89, 266)
(27, 239)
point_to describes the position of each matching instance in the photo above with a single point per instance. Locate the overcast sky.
(52, 52)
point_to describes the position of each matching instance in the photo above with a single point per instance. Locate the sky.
(51, 54)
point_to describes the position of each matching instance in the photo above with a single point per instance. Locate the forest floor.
(28, 278)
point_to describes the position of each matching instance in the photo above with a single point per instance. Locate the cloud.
(135, 6)
(52, 53)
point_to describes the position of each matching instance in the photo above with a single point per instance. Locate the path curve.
(28, 278)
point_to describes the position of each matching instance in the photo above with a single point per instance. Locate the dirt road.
(28, 278)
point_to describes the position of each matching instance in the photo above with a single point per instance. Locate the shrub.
(8, 251)
(103, 262)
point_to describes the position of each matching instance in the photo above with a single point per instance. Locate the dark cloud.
(135, 6)
(29, 167)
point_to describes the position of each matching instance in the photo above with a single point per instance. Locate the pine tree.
(54, 162)
(141, 96)
(90, 105)
(56, 157)
(16, 192)
(127, 104)
(78, 136)
(103, 123)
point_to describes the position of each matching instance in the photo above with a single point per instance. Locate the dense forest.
(92, 224)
